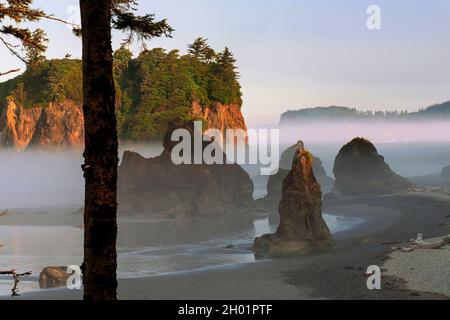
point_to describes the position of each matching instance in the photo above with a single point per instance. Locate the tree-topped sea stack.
(302, 228)
(360, 170)
(43, 106)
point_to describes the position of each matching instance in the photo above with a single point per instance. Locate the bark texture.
(101, 153)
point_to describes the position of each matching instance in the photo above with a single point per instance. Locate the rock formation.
(220, 116)
(158, 188)
(275, 183)
(62, 124)
(360, 170)
(446, 172)
(56, 125)
(319, 170)
(302, 228)
(53, 277)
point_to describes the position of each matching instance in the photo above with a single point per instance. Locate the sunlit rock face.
(61, 125)
(302, 228)
(158, 188)
(446, 172)
(360, 170)
(58, 125)
(220, 116)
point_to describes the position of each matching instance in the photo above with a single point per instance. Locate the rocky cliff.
(360, 170)
(158, 188)
(58, 125)
(302, 228)
(220, 116)
(61, 125)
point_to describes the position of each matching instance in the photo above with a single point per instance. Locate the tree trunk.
(101, 153)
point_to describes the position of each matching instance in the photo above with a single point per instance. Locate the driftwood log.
(16, 276)
(417, 245)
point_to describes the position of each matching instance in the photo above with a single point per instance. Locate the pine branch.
(11, 49)
(4, 74)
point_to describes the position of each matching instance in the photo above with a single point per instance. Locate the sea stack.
(159, 188)
(302, 228)
(360, 170)
(446, 172)
(275, 183)
(318, 168)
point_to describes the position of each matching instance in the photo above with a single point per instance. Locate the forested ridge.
(335, 113)
(151, 89)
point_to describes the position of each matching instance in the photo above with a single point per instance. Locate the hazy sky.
(295, 53)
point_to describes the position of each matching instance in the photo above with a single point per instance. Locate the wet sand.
(334, 274)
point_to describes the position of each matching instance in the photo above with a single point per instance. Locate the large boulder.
(158, 188)
(360, 170)
(53, 277)
(446, 172)
(302, 228)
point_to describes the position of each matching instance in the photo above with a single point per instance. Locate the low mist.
(34, 179)
(376, 132)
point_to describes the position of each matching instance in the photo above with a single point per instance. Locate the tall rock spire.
(302, 228)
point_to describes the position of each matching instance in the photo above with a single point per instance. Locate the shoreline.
(333, 274)
(241, 243)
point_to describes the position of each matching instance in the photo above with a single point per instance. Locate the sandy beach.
(337, 273)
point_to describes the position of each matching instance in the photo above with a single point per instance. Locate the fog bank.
(376, 132)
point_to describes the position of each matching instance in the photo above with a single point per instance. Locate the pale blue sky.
(298, 53)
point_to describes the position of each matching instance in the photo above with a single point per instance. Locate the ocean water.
(144, 249)
(409, 159)
(35, 180)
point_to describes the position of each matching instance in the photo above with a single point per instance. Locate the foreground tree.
(101, 142)
(101, 152)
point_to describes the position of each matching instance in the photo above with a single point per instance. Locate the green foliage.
(201, 50)
(152, 90)
(158, 87)
(48, 81)
(144, 27)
